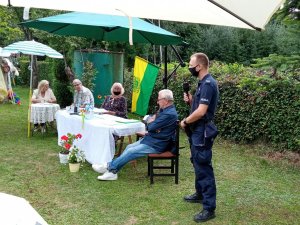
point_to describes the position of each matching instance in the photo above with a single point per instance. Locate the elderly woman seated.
(43, 94)
(116, 103)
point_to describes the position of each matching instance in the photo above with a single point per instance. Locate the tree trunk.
(35, 76)
(28, 36)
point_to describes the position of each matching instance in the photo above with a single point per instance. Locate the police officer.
(203, 107)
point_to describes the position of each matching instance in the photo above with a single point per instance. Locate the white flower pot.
(63, 158)
(74, 167)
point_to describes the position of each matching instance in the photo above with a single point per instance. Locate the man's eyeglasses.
(76, 85)
(160, 99)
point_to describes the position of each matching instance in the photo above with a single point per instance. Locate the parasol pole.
(130, 26)
(30, 94)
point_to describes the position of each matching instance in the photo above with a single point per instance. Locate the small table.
(43, 112)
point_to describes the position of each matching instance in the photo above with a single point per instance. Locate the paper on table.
(127, 121)
(106, 119)
(123, 120)
(114, 119)
(97, 110)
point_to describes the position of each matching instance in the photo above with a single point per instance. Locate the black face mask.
(194, 72)
(117, 92)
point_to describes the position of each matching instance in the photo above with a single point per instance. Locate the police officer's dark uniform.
(201, 151)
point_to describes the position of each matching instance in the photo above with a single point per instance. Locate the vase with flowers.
(76, 156)
(67, 142)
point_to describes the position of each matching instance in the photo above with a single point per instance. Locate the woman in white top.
(43, 93)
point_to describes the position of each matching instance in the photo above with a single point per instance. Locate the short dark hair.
(202, 59)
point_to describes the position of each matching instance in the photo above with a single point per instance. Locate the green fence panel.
(109, 66)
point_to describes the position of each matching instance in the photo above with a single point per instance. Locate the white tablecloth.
(97, 133)
(17, 211)
(43, 112)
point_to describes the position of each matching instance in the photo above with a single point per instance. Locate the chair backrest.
(175, 144)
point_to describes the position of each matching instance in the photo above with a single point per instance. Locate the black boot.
(194, 198)
(204, 215)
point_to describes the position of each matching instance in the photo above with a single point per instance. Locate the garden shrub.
(253, 105)
(45, 72)
(88, 75)
(62, 86)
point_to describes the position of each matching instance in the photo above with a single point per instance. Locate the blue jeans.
(131, 152)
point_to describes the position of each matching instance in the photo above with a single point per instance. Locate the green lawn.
(251, 189)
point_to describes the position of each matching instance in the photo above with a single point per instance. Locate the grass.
(251, 189)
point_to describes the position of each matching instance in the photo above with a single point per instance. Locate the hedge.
(253, 105)
(259, 106)
(45, 72)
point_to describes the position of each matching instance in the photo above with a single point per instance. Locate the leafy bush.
(62, 87)
(253, 105)
(88, 75)
(44, 68)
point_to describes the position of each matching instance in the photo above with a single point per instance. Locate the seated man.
(83, 96)
(161, 129)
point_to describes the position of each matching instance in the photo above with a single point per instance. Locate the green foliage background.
(254, 106)
(62, 86)
(259, 107)
(44, 68)
(88, 75)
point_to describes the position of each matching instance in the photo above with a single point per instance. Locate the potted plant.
(76, 156)
(67, 142)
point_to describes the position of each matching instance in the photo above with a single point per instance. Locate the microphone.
(186, 89)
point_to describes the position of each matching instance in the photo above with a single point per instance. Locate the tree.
(9, 31)
(290, 15)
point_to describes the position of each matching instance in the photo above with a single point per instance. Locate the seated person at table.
(161, 130)
(43, 94)
(116, 103)
(83, 96)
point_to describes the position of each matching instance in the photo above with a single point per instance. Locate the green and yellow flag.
(144, 77)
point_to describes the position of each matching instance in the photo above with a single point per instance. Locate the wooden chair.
(172, 154)
(49, 126)
(119, 144)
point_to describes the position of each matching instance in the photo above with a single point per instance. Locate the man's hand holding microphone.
(187, 97)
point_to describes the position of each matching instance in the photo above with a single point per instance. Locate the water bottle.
(76, 108)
